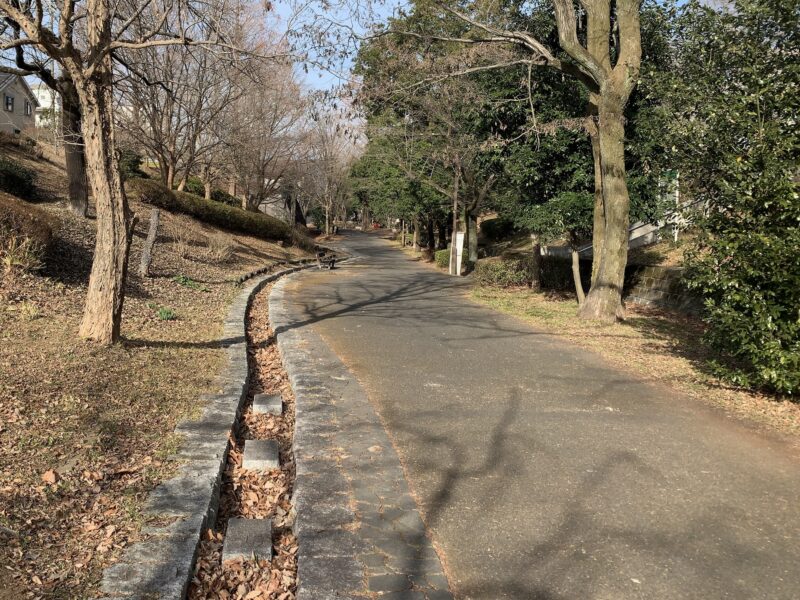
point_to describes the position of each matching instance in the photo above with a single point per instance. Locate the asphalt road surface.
(542, 472)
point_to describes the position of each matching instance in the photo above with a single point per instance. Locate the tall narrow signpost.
(458, 248)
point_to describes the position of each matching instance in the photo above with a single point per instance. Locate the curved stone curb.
(161, 566)
(358, 527)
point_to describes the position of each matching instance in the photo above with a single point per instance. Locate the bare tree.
(82, 38)
(325, 182)
(30, 61)
(271, 132)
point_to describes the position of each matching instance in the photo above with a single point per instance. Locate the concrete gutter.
(161, 566)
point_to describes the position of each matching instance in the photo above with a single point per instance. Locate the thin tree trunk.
(453, 253)
(403, 233)
(182, 184)
(536, 266)
(416, 234)
(170, 181)
(150, 242)
(576, 275)
(598, 226)
(576, 268)
(472, 245)
(604, 301)
(431, 241)
(74, 159)
(106, 294)
(207, 190)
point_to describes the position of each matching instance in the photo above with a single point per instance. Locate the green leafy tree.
(570, 215)
(729, 109)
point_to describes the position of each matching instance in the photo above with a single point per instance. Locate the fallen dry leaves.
(255, 494)
(85, 432)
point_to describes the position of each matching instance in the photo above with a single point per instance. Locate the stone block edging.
(161, 566)
(327, 564)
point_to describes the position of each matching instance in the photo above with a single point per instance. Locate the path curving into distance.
(542, 472)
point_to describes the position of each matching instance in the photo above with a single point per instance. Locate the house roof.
(8, 79)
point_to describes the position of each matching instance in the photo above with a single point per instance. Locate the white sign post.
(459, 249)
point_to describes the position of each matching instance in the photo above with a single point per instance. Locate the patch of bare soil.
(655, 344)
(85, 431)
(255, 494)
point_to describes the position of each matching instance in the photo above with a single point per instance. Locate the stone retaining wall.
(662, 286)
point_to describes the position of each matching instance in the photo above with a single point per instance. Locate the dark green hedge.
(17, 180)
(442, 258)
(194, 185)
(215, 213)
(517, 271)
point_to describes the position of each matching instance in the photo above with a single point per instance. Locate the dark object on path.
(326, 262)
(147, 251)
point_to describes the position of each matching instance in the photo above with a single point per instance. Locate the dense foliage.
(195, 185)
(221, 215)
(730, 109)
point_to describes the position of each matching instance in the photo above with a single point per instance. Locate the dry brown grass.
(85, 432)
(654, 344)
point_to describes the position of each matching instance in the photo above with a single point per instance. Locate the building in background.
(17, 112)
(48, 113)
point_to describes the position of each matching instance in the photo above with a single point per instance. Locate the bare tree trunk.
(416, 234)
(442, 241)
(106, 294)
(232, 187)
(453, 253)
(327, 220)
(576, 275)
(207, 190)
(182, 184)
(170, 181)
(598, 226)
(403, 233)
(472, 237)
(576, 268)
(604, 300)
(536, 266)
(75, 161)
(150, 242)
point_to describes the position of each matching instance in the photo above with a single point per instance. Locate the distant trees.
(270, 134)
(324, 181)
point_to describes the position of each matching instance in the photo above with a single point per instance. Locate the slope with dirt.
(85, 431)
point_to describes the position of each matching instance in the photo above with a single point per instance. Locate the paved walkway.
(542, 472)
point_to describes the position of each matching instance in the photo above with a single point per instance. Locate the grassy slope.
(101, 418)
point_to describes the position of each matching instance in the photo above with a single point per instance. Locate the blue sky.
(354, 14)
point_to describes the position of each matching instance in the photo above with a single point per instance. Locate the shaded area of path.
(542, 472)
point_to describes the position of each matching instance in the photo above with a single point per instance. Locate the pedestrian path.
(541, 471)
(360, 533)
